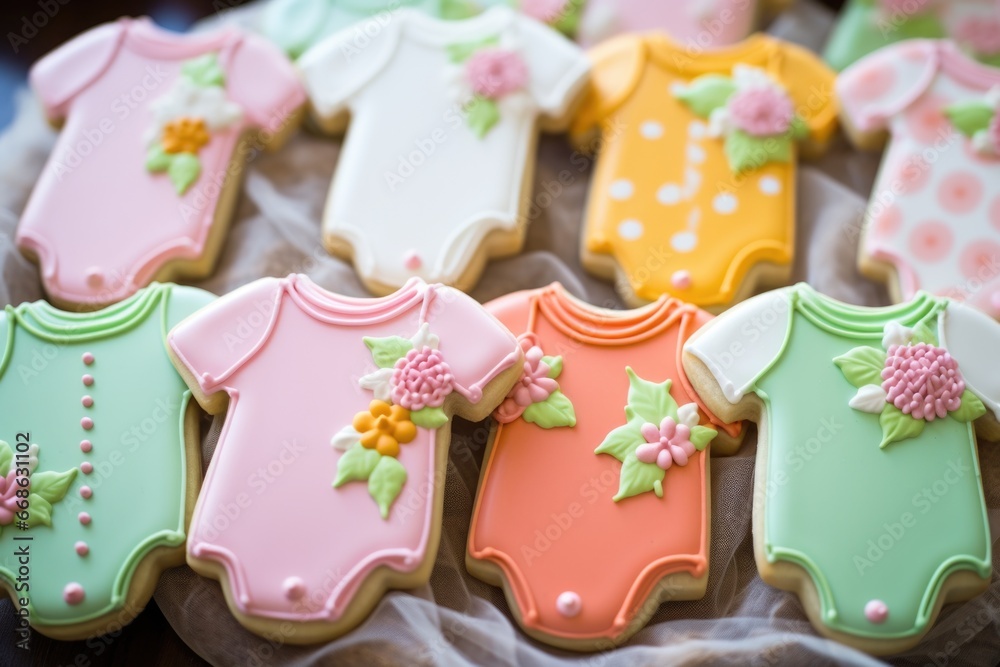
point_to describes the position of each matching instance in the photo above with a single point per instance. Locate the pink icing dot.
(980, 260)
(88, 380)
(569, 604)
(912, 175)
(931, 241)
(88, 401)
(73, 593)
(872, 82)
(681, 279)
(887, 222)
(86, 492)
(87, 423)
(95, 277)
(81, 548)
(294, 587)
(88, 358)
(960, 192)
(926, 119)
(412, 261)
(86, 468)
(876, 611)
(995, 213)
(84, 518)
(86, 446)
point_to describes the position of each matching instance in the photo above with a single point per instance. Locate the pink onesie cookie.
(933, 221)
(156, 130)
(326, 486)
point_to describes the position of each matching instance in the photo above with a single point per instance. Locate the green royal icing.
(862, 29)
(556, 410)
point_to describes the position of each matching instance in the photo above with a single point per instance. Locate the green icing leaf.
(554, 411)
(52, 486)
(459, 53)
(39, 511)
(555, 365)
(924, 334)
(701, 436)
(429, 418)
(971, 408)
(648, 401)
(970, 117)
(568, 22)
(355, 464)
(184, 170)
(385, 483)
(746, 152)
(918, 26)
(622, 441)
(157, 159)
(638, 477)
(862, 365)
(706, 93)
(204, 71)
(991, 60)
(387, 351)
(6, 457)
(898, 426)
(483, 114)
(456, 10)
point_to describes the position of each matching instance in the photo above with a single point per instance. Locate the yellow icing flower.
(184, 135)
(385, 427)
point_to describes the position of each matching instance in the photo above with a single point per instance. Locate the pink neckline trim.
(350, 311)
(965, 69)
(145, 37)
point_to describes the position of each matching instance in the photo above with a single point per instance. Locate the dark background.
(27, 36)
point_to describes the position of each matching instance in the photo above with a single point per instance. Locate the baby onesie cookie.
(703, 24)
(865, 26)
(435, 171)
(693, 194)
(326, 487)
(933, 220)
(871, 508)
(157, 128)
(578, 472)
(99, 461)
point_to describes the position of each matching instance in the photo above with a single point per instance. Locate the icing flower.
(385, 427)
(494, 73)
(666, 445)
(979, 120)
(761, 111)
(421, 379)
(546, 11)
(981, 34)
(184, 135)
(534, 385)
(922, 380)
(8, 498)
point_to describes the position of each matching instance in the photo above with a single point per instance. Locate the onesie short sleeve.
(264, 82)
(885, 83)
(477, 345)
(740, 347)
(214, 341)
(183, 302)
(64, 73)
(616, 66)
(973, 339)
(558, 66)
(811, 85)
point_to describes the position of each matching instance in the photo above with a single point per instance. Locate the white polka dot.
(694, 217)
(684, 241)
(724, 203)
(630, 230)
(621, 189)
(696, 153)
(692, 180)
(769, 185)
(669, 194)
(696, 130)
(651, 129)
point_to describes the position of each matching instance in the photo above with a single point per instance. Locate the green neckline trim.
(851, 321)
(49, 323)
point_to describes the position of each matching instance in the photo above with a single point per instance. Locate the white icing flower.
(188, 99)
(870, 398)
(745, 76)
(718, 122)
(345, 439)
(32, 458)
(687, 414)
(424, 338)
(993, 97)
(896, 334)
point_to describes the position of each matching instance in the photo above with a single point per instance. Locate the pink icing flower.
(545, 11)
(534, 386)
(8, 498)
(761, 111)
(981, 34)
(922, 380)
(421, 379)
(495, 73)
(666, 445)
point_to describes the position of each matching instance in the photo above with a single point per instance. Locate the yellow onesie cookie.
(694, 189)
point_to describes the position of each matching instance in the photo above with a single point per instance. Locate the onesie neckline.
(599, 326)
(860, 321)
(441, 32)
(331, 308)
(965, 69)
(757, 49)
(143, 36)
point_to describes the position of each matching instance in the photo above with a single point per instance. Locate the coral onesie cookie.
(933, 221)
(693, 194)
(431, 179)
(99, 460)
(699, 23)
(871, 509)
(865, 26)
(335, 442)
(157, 128)
(576, 466)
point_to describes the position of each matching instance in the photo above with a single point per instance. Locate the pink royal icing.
(922, 380)
(496, 73)
(421, 379)
(761, 111)
(73, 593)
(8, 498)
(534, 385)
(666, 444)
